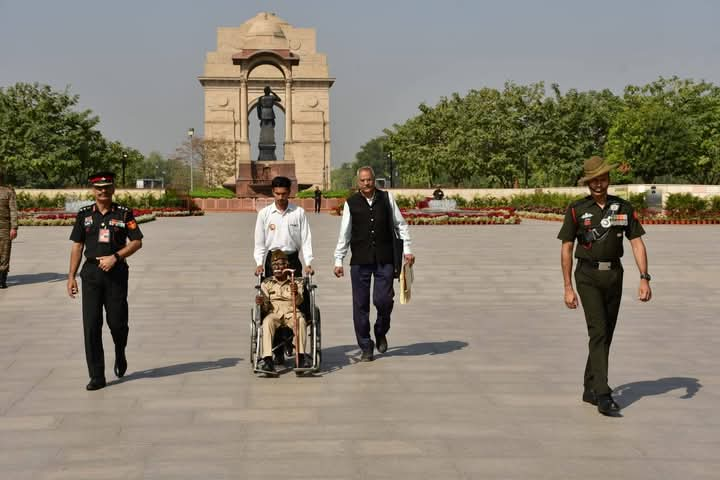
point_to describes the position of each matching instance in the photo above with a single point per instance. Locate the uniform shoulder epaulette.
(268, 279)
(86, 208)
(120, 207)
(580, 201)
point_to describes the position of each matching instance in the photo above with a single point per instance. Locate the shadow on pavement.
(630, 393)
(30, 278)
(179, 369)
(336, 358)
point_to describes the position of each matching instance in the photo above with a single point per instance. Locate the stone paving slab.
(482, 379)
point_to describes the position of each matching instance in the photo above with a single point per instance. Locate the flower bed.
(483, 216)
(177, 212)
(28, 219)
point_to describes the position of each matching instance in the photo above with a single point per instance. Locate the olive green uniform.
(599, 274)
(8, 221)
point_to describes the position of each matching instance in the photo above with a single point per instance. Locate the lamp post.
(191, 132)
(392, 169)
(124, 163)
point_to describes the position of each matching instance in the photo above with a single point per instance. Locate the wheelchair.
(283, 341)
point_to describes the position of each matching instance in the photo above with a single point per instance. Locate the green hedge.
(680, 203)
(310, 193)
(219, 192)
(146, 200)
(715, 203)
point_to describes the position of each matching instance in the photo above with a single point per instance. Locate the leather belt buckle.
(604, 265)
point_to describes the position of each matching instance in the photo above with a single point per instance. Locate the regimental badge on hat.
(102, 179)
(278, 255)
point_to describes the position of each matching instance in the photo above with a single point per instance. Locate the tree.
(43, 141)
(669, 128)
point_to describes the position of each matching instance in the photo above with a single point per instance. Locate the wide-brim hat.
(102, 179)
(594, 167)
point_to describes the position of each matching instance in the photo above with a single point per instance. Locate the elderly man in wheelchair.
(275, 299)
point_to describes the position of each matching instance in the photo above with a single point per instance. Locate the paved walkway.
(482, 378)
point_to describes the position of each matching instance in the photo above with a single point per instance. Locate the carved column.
(288, 111)
(243, 110)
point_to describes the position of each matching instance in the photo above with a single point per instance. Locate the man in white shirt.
(370, 218)
(282, 226)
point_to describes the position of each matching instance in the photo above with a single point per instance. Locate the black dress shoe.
(95, 384)
(266, 366)
(607, 406)
(367, 354)
(381, 343)
(589, 396)
(279, 357)
(305, 361)
(120, 364)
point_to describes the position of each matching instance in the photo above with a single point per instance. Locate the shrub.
(715, 203)
(638, 201)
(408, 202)
(684, 203)
(459, 201)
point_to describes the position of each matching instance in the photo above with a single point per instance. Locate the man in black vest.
(369, 222)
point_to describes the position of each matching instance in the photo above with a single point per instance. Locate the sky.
(135, 63)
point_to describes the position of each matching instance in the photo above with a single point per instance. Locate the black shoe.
(3, 280)
(279, 357)
(607, 406)
(305, 361)
(589, 396)
(96, 384)
(120, 363)
(266, 366)
(367, 354)
(381, 343)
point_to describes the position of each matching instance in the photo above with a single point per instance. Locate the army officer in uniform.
(598, 222)
(103, 229)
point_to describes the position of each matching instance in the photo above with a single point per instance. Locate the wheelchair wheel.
(318, 340)
(253, 335)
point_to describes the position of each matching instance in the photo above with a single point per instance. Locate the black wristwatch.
(119, 258)
(645, 276)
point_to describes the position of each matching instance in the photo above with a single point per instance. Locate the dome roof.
(265, 32)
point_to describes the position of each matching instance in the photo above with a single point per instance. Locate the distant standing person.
(370, 218)
(282, 226)
(598, 223)
(438, 194)
(8, 228)
(318, 199)
(103, 229)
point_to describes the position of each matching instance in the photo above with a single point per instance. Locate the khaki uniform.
(8, 221)
(599, 274)
(278, 311)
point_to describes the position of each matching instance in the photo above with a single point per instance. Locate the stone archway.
(299, 76)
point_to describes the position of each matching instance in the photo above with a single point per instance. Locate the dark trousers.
(383, 294)
(317, 205)
(109, 290)
(600, 293)
(293, 260)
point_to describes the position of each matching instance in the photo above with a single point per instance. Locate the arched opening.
(266, 72)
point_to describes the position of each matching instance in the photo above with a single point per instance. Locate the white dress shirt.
(288, 231)
(346, 229)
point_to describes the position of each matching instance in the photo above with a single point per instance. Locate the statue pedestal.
(255, 178)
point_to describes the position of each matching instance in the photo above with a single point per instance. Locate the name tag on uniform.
(88, 221)
(117, 223)
(104, 235)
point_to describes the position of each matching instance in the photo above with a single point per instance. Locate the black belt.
(608, 265)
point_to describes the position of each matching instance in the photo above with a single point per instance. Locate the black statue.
(266, 114)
